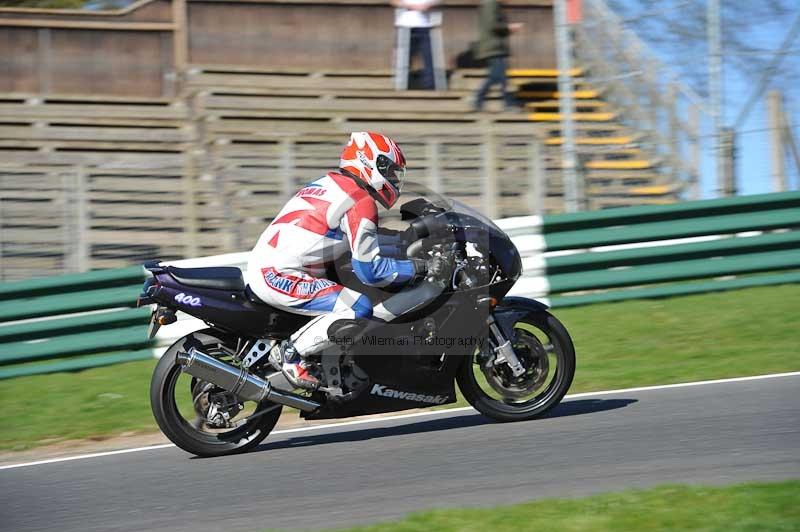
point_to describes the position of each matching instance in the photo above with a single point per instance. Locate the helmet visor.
(393, 173)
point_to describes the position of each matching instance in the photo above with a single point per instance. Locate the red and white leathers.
(325, 219)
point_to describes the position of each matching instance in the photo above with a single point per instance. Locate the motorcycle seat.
(219, 278)
(253, 298)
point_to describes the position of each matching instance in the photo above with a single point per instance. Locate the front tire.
(554, 340)
(191, 437)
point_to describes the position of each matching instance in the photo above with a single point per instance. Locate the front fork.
(504, 352)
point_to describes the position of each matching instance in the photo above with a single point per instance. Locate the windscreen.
(411, 191)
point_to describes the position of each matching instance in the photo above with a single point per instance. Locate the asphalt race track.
(715, 433)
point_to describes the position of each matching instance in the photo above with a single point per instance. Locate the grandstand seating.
(245, 102)
(97, 182)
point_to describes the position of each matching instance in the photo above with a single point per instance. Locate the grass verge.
(619, 345)
(744, 507)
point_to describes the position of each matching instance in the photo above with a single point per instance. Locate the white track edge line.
(416, 414)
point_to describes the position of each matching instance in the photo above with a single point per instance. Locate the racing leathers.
(323, 221)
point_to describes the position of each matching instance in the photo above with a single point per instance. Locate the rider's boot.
(297, 370)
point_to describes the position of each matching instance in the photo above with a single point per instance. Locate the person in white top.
(419, 18)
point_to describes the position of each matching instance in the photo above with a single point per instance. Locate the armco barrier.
(45, 323)
(662, 251)
(80, 321)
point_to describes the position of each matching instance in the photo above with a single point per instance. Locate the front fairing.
(477, 229)
(465, 225)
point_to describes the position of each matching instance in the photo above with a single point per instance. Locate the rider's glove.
(435, 267)
(420, 268)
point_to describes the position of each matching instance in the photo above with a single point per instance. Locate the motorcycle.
(220, 390)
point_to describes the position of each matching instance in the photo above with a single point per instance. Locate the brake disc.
(533, 357)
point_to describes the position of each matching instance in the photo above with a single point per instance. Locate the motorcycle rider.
(335, 214)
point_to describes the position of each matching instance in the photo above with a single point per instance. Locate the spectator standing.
(417, 16)
(493, 48)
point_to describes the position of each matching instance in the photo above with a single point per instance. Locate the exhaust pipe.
(238, 381)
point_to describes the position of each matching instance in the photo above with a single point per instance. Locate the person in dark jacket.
(493, 48)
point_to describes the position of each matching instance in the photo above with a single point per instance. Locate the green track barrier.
(133, 337)
(653, 231)
(689, 209)
(56, 324)
(73, 282)
(52, 305)
(673, 290)
(654, 254)
(74, 324)
(76, 364)
(676, 271)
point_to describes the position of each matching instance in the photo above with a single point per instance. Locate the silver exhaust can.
(238, 381)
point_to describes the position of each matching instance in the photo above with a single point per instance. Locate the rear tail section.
(218, 296)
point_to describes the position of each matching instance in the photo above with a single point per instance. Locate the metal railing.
(651, 97)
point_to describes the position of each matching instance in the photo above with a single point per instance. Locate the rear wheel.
(198, 416)
(544, 348)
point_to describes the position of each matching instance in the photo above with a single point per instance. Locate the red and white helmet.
(378, 162)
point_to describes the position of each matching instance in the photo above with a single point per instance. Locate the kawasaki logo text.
(383, 391)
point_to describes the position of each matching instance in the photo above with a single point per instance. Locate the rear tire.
(507, 410)
(179, 430)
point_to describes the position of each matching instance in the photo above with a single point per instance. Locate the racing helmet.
(377, 162)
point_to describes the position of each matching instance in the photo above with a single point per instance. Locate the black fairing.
(463, 227)
(407, 367)
(407, 364)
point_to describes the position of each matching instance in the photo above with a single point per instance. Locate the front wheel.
(200, 417)
(544, 348)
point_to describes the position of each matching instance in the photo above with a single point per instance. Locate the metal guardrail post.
(44, 59)
(74, 221)
(652, 95)
(82, 248)
(489, 192)
(694, 152)
(196, 148)
(180, 41)
(287, 147)
(715, 91)
(728, 146)
(573, 192)
(673, 128)
(434, 178)
(774, 105)
(536, 177)
(189, 204)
